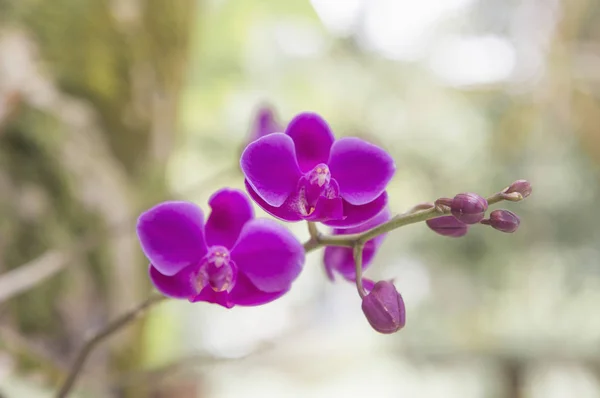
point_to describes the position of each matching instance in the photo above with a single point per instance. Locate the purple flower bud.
(503, 220)
(522, 187)
(448, 226)
(468, 207)
(384, 308)
(265, 123)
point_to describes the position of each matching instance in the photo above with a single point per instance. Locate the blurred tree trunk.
(88, 100)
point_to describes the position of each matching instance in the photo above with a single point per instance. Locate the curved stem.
(419, 213)
(411, 217)
(420, 206)
(358, 252)
(99, 336)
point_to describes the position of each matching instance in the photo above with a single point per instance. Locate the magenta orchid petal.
(328, 266)
(338, 259)
(327, 209)
(312, 139)
(269, 255)
(230, 210)
(171, 235)
(341, 259)
(246, 294)
(329, 205)
(384, 215)
(270, 167)
(286, 212)
(361, 169)
(210, 296)
(357, 215)
(178, 286)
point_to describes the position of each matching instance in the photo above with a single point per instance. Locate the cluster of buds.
(469, 208)
(383, 306)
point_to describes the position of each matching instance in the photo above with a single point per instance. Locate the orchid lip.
(314, 186)
(216, 270)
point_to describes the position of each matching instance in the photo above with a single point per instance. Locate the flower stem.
(100, 336)
(312, 230)
(358, 254)
(412, 216)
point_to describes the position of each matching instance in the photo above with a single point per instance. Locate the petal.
(341, 259)
(270, 167)
(327, 209)
(265, 123)
(312, 139)
(244, 293)
(210, 296)
(328, 270)
(286, 212)
(356, 215)
(329, 206)
(171, 235)
(344, 256)
(268, 254)
(178, 286)
(362, 170)
(230, 210)
(383, 216)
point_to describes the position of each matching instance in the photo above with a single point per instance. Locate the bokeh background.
(110, 106)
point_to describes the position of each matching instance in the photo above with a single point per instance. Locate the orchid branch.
(100, 336)
(413, 216)
(418, 213)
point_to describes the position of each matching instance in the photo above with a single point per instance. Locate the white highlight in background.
(470, 61)
(339, 17)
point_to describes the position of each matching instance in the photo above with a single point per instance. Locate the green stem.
(358, 252)
(413, 216)
(312, 230)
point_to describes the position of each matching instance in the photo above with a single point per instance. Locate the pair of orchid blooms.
(304, 173)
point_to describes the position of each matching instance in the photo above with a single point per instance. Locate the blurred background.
(110, 106)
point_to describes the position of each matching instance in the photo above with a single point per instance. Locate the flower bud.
(522, 187)
(384, 308)
(503, 220)
(448, 226)
(468, 208)
(265, 123)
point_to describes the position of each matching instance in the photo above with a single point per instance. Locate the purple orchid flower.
(305, 174)
(265, 122)
(233, 259)
(341, 259)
